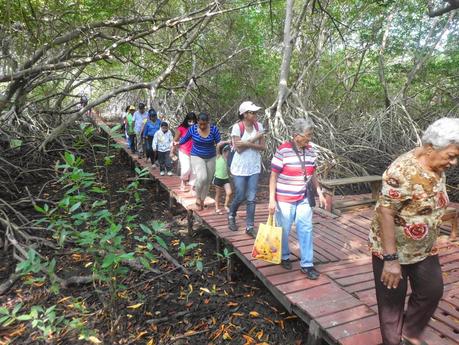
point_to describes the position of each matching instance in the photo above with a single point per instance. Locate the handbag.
(268, 243)
(310, 192)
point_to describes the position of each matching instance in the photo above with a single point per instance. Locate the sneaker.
(250, 231)
(287, 264)
(232, 223)
(162, 173)
(310, 272)
(169, 173)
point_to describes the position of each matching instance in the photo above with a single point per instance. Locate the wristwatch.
(390, 257)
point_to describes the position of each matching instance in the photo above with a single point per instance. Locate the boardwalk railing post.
(229, 269)
(314, 334)
(189, 218)
(171, 203)
(218, 245)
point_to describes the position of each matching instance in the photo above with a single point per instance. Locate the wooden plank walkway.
(340, 307)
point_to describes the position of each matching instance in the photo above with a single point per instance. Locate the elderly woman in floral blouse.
(404, 231)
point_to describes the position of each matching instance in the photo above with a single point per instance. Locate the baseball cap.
(248, 106)
(131, 107)
(141, 105)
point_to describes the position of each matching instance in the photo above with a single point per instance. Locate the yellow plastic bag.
(268, 244)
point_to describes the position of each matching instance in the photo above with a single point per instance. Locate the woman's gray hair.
(442, 133)
(301, 125)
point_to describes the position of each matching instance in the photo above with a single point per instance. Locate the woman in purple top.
(205, 137)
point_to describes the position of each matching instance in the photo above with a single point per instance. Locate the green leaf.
(38, 208)
(75, 207)
(15, 143)
(4, 311)
(161, 242)
(25, 317)
(3, 319)
(199, 265)
(145, 229)
(109, 260)
(144, 262)
(125, 256)
(16, 308)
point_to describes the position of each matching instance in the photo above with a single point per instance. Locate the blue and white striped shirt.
(202, 147)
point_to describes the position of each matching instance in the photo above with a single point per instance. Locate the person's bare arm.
(250, 144)
(318, 189)
(392, 272)
(220, 144)
(174, 141)
(272, 192)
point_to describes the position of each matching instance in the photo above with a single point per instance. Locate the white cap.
(248, 106)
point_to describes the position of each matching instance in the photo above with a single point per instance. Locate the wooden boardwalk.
(340, 307)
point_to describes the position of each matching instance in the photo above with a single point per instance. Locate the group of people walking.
(407, 216)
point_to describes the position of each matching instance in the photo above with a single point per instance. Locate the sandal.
(219, 211)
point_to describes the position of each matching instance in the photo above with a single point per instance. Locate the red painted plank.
(322, 309)
(433, 338)
(354, 327)
(328, 293)
(300, 285)
(372, 337)
(444, 330)
(296, 278)
(350, 271)
(343, 264)
(345, 316)
(361, 286)
(358, 278)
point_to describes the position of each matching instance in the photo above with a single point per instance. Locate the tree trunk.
(285, 67)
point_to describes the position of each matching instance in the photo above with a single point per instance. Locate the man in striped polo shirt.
(292, 186)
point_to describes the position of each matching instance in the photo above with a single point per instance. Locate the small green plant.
(8, 317)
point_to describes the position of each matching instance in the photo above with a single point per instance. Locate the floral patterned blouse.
(419, 200)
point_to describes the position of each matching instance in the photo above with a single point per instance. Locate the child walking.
(162, 142)
(221, 178)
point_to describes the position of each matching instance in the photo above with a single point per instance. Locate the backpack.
(233, 150)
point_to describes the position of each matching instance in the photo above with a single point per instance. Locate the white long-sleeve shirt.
(162, 141)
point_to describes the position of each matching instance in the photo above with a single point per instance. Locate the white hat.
(248, 106)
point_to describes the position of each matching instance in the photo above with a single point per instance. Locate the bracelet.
(390, 257)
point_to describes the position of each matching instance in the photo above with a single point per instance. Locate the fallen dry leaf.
(254, 314)
(94, 340)
(134, 306)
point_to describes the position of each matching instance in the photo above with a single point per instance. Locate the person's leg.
(303, 221)
(134, 143)
(168, 160)
(228, 194)
(218, 193)
(162, 161)
(130, 141)
(427, 289)
(185, 166)
(138, 143)
(285, 214)
(149, 149)
(210, 172)
(251, 193)
(391, 303)
(199, 167)
(240, 184)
